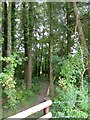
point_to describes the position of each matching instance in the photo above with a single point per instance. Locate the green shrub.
(72, 102)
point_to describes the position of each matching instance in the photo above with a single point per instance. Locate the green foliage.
(70, 99)
(57, 61)
(24, 94)
(7, 79)
(72, 68)
(69, 70)
(24, 97)
(72, 102)
(33, 18)
(8, 84)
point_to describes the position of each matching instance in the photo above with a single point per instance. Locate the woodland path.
(40, 98)
(42, 93)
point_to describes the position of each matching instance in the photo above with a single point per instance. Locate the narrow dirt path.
(40, 98)
(43, 92)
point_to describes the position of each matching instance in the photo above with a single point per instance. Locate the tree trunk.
(13, 24)
(38, 69)
(69, 42)
(9, 41)
(88, 67)
(89, 49)
(0, 40)
(24, 26)
(29, 49)
(26, 20)
(50, 55)
(35, 60)
(29, 77)
(4, 33)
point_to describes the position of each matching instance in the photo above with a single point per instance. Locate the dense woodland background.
(49, 42)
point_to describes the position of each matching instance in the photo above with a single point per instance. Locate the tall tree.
(13, 24)
(9, 41)
(30, 26)
(50, 52)
(24, 27)
(69, 30)
(27, 20)
(1, 36)
(4, 32)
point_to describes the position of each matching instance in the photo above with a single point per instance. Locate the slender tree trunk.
(35, 65)
(35, 60)
(29, 79)
(89, 48)
(24, 26)
(29, 62)
(69, 42)
(88, 65)
(50, 55)
(42, 57)
(4, 31)
(39, 69)
(13, 24)
(39, 64)
(9, 41)
(27, 43)
(29, 67)
(1, 37)
(1, 63)
(45, 66)
(89, 60)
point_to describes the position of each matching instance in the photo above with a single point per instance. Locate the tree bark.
(30, 39)
(9, 41)
(89, 49)
(50, 55)
(35, 65)
(24, 26)
(1, 37)
(28, 44)
(4, 33)
(69, 42)
(13, 24)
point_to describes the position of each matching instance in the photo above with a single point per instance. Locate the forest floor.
(40, 98)
(42, 93)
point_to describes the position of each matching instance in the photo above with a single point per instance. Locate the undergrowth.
(24, 98)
